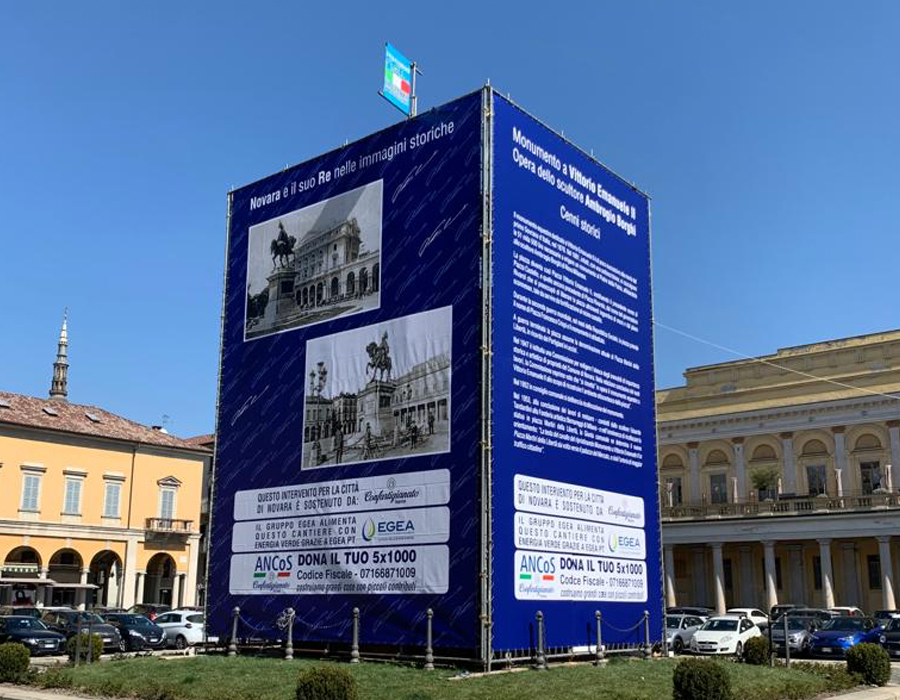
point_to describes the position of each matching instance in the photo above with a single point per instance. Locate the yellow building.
(779, 478)
(94, 509)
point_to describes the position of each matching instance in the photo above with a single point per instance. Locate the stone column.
(129, 575)
(827, 573)
(113, 586)
(669, 551)
(48, 590)
(718, 577)
(694, 458)
(177, 580)
(190, 584)
(740, 470)
(698, 576)
(82, 593)
(749, 597)
(894, 432)
(840, 459)
(797, 573)
(848, 565)
(887, 572)
(139, 593)
(787, 457)
(120, 586)
(771, 580)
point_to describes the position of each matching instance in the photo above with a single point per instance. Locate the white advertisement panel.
(394, 527)
(567, 535)
(551, 576)
(573, 501)
(375, 571)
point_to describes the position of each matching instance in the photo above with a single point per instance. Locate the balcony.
(786, 505)
(169, 526)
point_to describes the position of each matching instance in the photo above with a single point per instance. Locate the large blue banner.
(348, 428)
(575, 506)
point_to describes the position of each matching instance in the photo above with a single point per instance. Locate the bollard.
(429, 654)
(787, 646)
(771, 648)
(541, 660)
(78, 641)
(289, 645)
(599, 656)
(232, 643)
(647, 650)
(90, 649)
(354, 647)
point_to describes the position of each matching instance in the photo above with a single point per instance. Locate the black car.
(137, 632)
(12, 610)
(890, 638)
(68, 622)
(699, 611)
(31, 633)
(819, 614)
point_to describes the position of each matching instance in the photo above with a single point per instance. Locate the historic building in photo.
(326, 273)
(779, 478)
(95, 509)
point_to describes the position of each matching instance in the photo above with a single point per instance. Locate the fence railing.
(169, 525)
(783, 505)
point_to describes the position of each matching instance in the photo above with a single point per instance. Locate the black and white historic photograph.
(315, 264)
(379, 392)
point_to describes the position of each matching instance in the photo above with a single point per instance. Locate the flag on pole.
(397, 79)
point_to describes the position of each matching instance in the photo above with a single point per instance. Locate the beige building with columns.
(776, 478)
(94, 509)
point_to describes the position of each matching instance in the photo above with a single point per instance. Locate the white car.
(847, 611)
(680, 629)
(724, 634)
(757, 616)
(183, 628)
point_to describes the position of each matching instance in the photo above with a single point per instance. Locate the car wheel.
(181, 642)
(678, 646)
(739, 651)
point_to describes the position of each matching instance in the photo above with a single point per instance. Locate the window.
(167, 503)
(672, 495)
(31, 492)
(817, 573)
(72, 499)
(870, 476)
(111, 499)
(873, 565)
(718, 493)
(815, 478)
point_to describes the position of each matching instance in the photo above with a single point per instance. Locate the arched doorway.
(65, 569)
(320, 293)
(376, 273)
(334, 287)
(351, 284)
(160, 583)
(22, 564)
(363, 281)
(106, 573)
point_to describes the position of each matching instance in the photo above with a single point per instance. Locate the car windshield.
(87, 618)
(795, 623)
(895, 625)
(673, 622)
(844, 624)
(131, 620)
(721, 625)
(198, 619)
(24, 623)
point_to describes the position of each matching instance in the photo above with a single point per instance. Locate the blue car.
(838, 634)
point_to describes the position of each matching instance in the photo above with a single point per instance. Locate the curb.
(888, 692)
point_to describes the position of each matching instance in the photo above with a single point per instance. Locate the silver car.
(799, 634)
(680, 629)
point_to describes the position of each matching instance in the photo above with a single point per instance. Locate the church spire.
(59, 387)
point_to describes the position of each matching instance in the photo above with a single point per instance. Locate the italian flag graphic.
(398, 82)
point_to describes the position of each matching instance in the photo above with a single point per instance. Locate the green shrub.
(836, 676)
(14, 662)
(756, 651)
(871, 662)
(54, 678)
(326, 683)
(96, 650)
(700, 680)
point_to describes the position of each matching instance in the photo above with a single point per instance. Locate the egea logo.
(628, 543)
(613, 542)
(369, 530)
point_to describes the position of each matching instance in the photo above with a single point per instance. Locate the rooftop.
(63, 416)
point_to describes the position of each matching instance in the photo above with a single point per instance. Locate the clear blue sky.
(767, 133)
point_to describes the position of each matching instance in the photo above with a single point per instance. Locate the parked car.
(136, 632)
(757, 617)
(68, 622)
(149, 610)
(724, 634)
(820, 614)
(185, 627)
(890, 638)
(838, 634)
(699, 611)
(800, 632)
(779, 610)
(680, 629)
(7, 610)
(31, 633)
(847, 611)
(883, 617)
